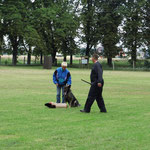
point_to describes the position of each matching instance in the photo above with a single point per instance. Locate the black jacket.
(97, 74)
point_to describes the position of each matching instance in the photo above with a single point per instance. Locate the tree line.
(45, 27)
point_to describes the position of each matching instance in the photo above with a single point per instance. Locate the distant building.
(59, 55)
(141, 55)
(100, 50)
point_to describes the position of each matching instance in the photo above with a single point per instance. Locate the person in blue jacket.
(61, 77)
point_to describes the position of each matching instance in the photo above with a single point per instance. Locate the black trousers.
(95, 93)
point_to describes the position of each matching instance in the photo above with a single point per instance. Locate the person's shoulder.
(94, 65)
(67, 70)
(58, 69)
(98, 64)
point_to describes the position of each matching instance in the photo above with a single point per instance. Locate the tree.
(100, 21)
(55, 23)
(30, 37)
(89, 22)
(133, 26)
(110, 18)
(1, 29)
(45, 17)
(69, 26)
(147, 26)
(30, 41)
(12, 20)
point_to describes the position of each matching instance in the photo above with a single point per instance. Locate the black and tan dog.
(69, 97)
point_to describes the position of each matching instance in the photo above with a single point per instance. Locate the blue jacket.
(62, 77)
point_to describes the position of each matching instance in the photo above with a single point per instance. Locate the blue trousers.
(59, 88)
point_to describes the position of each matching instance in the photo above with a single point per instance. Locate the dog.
(69, 97)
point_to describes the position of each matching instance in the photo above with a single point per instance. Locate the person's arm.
(99, 74)
(54, 77)
(69, 78)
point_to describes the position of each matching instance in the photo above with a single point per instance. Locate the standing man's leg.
(100, 100)
(89, 103)
(58, 94)
(91, 97)
(63, 97)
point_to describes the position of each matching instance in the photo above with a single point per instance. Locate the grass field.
(26, 124)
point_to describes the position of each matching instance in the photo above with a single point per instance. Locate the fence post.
(113, 65)
(133, 65)
(24, 60)
(35, 60)
(0, 59)
(79, 64)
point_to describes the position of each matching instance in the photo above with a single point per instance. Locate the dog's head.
(66, 89)
(75, 103)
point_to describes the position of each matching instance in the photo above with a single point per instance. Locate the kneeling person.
(61, 77)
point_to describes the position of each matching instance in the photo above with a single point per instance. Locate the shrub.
(147, 64)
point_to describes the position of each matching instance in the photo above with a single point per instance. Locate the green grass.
(26, 124)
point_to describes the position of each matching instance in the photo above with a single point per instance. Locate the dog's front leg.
(69, 105)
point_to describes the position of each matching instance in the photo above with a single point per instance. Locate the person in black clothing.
(96, 89)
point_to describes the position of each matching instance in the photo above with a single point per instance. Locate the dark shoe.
(103, 111)
(49, 105)
(84, 111)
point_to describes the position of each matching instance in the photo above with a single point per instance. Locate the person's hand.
(56, 84)
(99, 84)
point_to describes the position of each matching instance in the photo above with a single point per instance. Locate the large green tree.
(89, 24)
(55, 22)
(1, 28)
(147, 24)
(12, 16)
(100, 21)
(133, 26)
(69, 25)
(46, 15)
(30, 37)
(109, 20)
